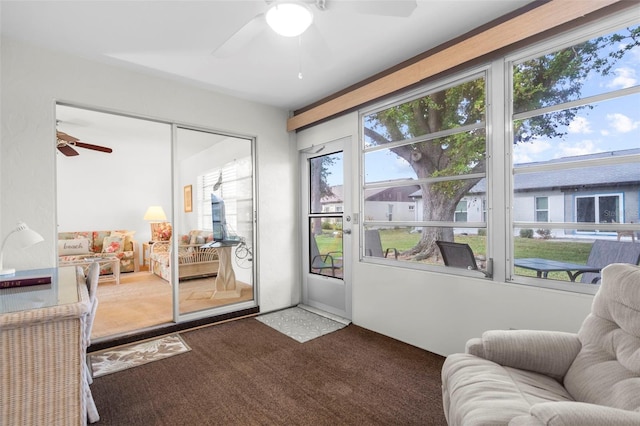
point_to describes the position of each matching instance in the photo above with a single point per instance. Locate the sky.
(610, 125)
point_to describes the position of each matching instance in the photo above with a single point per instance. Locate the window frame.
(470, 74)
(570, 38)
(497, 212)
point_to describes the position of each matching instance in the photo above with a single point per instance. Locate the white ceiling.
(176, 39)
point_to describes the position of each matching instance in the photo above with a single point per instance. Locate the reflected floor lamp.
(24, 237)
(157, 217)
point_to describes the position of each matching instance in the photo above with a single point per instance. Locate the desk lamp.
(25, 238)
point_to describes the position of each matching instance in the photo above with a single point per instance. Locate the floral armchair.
(80, 245)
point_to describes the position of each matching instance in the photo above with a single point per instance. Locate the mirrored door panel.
(213, 233)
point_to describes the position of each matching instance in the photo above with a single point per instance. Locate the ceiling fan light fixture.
(289, 18)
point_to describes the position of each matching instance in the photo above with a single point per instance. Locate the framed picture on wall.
(188, 201)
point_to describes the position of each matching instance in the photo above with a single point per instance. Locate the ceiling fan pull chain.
(300, 57)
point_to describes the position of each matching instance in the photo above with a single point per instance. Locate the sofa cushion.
(481, 392)
(112, 245)
(73, 247)
(127, 236)
(607, 369)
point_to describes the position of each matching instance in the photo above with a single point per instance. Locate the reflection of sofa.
(535, 377)
(78, 245)
(193, 261)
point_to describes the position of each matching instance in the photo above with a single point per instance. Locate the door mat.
(139, 353)
(300, 324)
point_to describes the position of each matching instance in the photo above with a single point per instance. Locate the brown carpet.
(246, 373)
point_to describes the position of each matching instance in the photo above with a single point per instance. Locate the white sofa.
(526, 377)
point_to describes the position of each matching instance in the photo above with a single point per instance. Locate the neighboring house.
(600, 194)
(597, 194)
(383, 204)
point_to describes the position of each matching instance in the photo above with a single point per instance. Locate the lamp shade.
(24, 237)
(155, 214)
(289, 18)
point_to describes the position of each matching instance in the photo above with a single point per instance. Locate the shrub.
(327, 225)
(526, 233)
(545, 234)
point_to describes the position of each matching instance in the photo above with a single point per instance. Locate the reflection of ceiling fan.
(65, 144)
(398, 8)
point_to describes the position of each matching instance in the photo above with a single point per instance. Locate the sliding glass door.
(214, 227)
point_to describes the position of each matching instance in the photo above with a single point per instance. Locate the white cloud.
(625, 77)
(580, 125)
(582, 147)
(621, 123)
(527, 152)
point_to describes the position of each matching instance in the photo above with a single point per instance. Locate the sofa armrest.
(474, 347)
(136, 260)
(546, 352)
(576, 414)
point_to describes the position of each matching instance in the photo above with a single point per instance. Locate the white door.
(326, 236)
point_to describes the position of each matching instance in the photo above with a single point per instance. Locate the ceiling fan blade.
(241, 38)
(67, 150)
(93, 147)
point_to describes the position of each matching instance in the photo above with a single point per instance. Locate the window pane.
(577, 259)
(457, 106)
(585, 209)
(594, 194)
(454, 155)
(326, 183)
(590, 68)
(385, 242)
(542, 203)
(448, 168)
(608, 209)
(596, 128)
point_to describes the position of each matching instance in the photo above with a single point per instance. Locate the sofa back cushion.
(607, 369)
(73, 246)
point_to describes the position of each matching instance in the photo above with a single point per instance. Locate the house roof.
(582, 177)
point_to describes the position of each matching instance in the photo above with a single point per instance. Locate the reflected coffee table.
(114, 261)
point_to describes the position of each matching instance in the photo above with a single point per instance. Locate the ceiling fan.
(66, 144)
(275, 15)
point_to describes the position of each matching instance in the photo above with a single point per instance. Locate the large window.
(575, 133)
(233, 183)
(568, 155)
(421, 157)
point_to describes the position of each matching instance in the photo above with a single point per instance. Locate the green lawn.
(566, 251)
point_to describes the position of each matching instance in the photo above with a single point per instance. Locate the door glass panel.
(326, 183)
(608, 209)
(326, 247)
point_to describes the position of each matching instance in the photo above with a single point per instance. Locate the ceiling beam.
(531, 23)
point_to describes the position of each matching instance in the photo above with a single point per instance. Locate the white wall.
(99, 191)
(32, 79)
(439, 312)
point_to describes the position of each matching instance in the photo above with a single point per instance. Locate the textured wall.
(33, 79)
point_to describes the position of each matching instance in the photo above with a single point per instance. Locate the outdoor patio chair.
(373, 245)
(459, 255)
(605, 252)
(320, 262)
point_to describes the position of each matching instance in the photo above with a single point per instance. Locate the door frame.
(312, 281)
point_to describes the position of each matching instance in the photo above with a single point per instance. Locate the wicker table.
(114, 261)
(41, 329)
